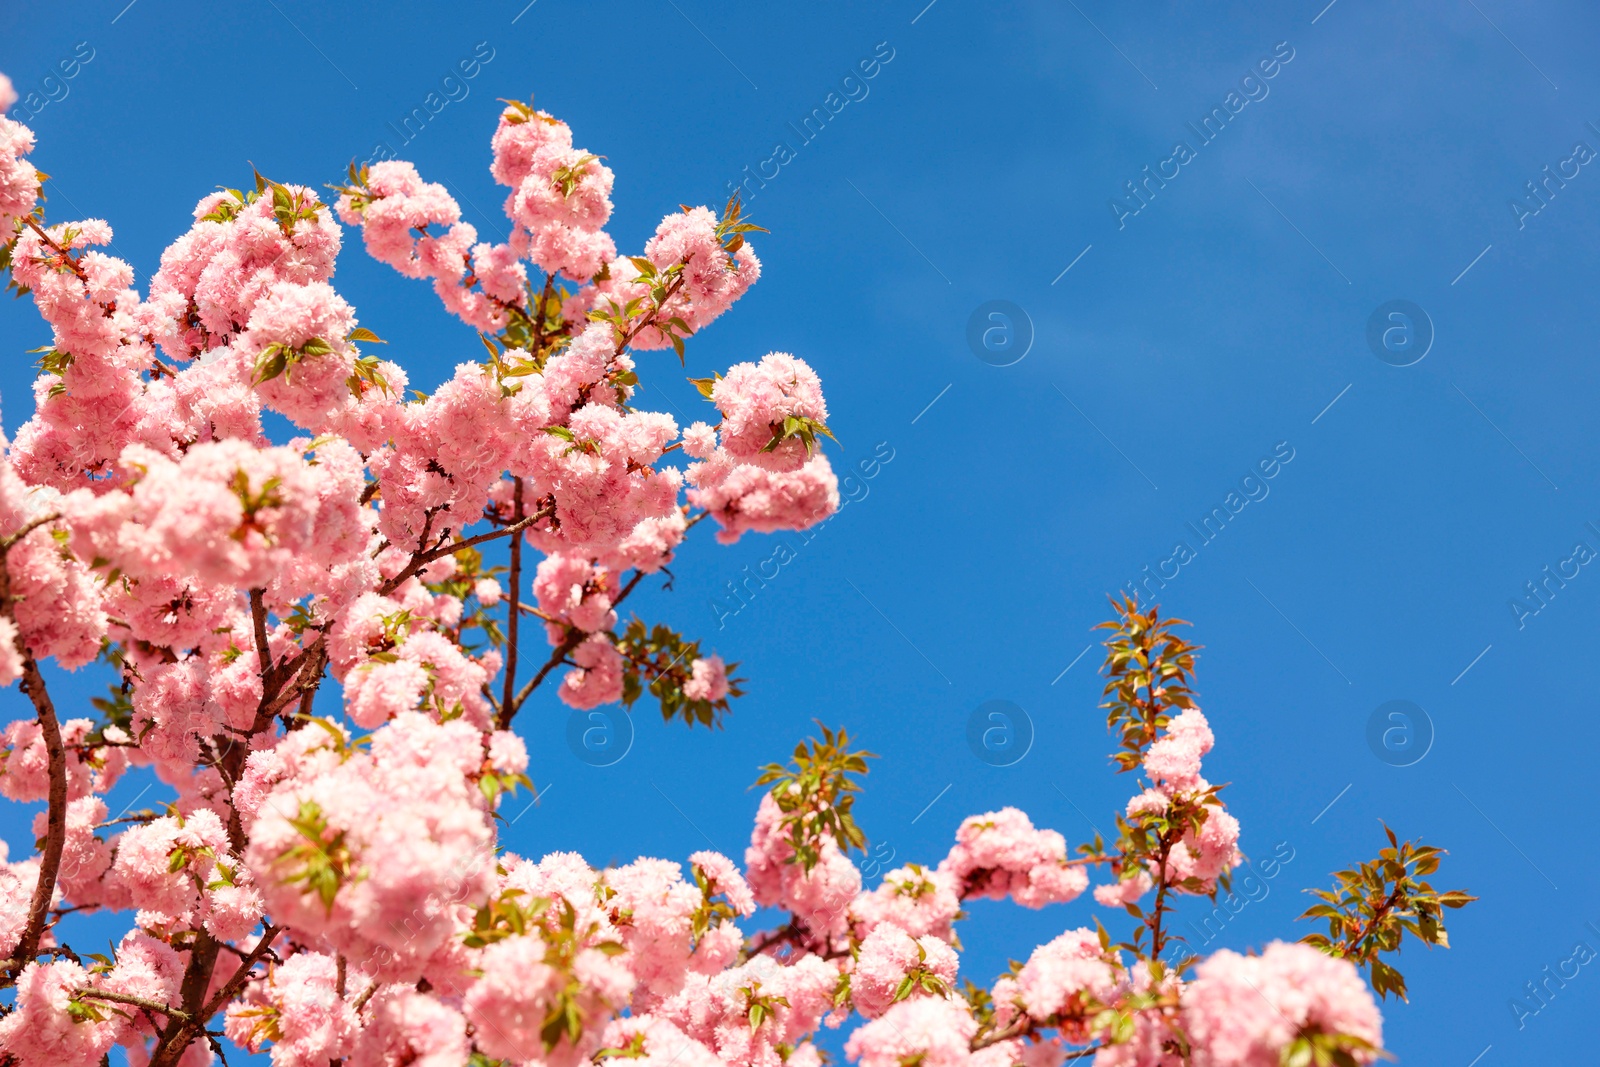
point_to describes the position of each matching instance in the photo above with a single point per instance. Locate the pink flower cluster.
(820, 897)
(914, 899)
(561, 196)
(402, 833)
(1071, 979)
(1242, 1011)
(42, 1030)
(19, 182)
(300, 1010)
(1173, 765)
(887, 957)
(754, 473)
(713, 278)
(416, 228)
(929, 1031)
(1000, 854)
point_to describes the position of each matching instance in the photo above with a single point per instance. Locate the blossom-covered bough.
(328, 884)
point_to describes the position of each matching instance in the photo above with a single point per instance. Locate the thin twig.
(11, 542)
(138, 1002)
(574, 638)
(445, 548)
(361, 1001)
(65, 254)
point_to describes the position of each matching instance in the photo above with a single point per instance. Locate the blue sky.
(1221, 325)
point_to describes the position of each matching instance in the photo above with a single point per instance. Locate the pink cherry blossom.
(708, 681)
(299, 1011)
(1243, 1011)
(889, 957)
(934, 1030)
(1000, 854)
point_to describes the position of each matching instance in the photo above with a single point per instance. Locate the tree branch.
(66, 256)
(231, 989)
(137, 1002)
(9, 542)
(516, 591)
(1018, 1026)
(361, 1001)
(1156, 942)
(181, 1032)
(55, 820)
(654, 313)
(1353, 944)
(423, 557)
(574, 638)
(258, 614)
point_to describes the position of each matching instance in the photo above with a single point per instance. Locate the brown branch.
(180, 1033)
(10, 542)
(544, 303)
(1022, 1026)
(128, 998)
(1353, 945)
(55, 837)
(1016, 1028)
(361, 1001)
(1079, 1054)
(790, 934)
(423, 557)
(258, 613)
(655, 312)
(56, 752)
(574, 638)
(529, 609)
(1156, 942)
(516, 587)
(1085, 860)
(65, 254)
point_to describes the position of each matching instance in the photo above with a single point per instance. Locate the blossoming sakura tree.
(326, 882)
